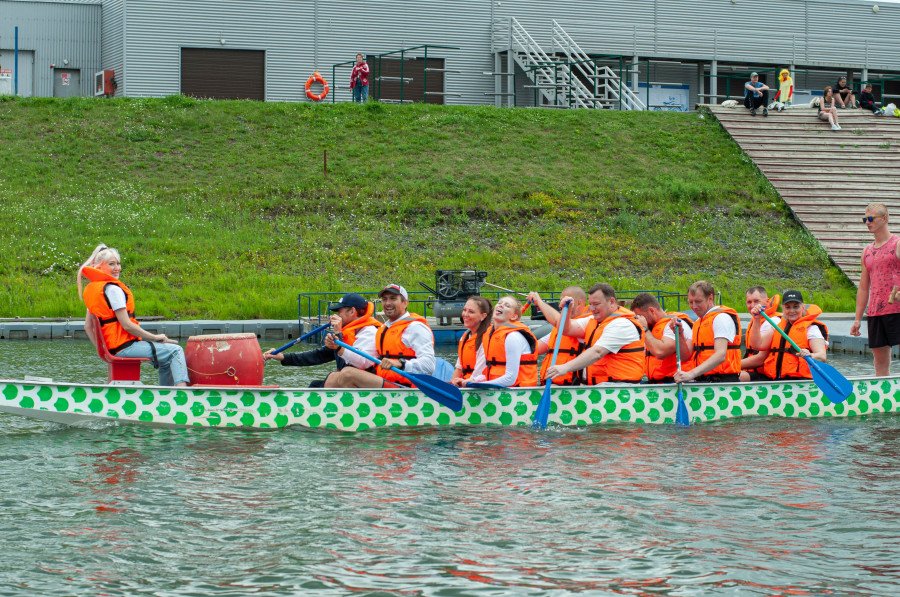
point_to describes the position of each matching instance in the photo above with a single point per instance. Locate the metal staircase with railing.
(566, 77)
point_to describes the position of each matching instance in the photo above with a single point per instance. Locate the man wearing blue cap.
(353, 317)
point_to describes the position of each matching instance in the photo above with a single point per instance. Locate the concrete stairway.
(826, 177)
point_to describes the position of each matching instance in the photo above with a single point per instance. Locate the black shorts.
(719, 378)
(884, 330)
(757, 376)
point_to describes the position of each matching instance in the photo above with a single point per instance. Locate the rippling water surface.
(756, 506)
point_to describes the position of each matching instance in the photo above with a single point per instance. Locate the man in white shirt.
(404, 341)
(717, 338)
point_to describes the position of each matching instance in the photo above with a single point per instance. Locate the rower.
(659, 337)
(614, 341)
(717, 338)
(404, 341)
(569, 347)
(353, 318)
(759, 333)
(800, 322)
(508, 356)
(476, 317)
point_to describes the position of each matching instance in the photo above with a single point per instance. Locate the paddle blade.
(439, 391)
(832, 383)
(543, 408)
(681, 413)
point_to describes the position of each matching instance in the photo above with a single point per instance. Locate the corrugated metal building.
(266, 49)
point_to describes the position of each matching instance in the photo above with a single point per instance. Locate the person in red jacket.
(359, 80)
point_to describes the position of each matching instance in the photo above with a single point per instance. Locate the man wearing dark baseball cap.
(353, 317)
(404, 341)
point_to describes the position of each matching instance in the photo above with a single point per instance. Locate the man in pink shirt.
(359, 80)
(880, 272)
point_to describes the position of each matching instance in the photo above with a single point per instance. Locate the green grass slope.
(222, 210)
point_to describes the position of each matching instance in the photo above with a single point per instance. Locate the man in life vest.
(569, 347)
(404, 341)
(613, 341)
(800, 322)
(352, 317)
(717, 339)
(659, 338)
(508, 358)
(758, 335)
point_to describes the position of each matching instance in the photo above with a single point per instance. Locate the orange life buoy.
(316, 78)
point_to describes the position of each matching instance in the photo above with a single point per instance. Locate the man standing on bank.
(359, 80)
(880, 272)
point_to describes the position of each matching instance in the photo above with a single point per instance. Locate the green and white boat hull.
(358, 410)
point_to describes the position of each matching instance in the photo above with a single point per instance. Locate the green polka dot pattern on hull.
(358, 410)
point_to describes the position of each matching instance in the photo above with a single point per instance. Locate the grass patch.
(221, 208)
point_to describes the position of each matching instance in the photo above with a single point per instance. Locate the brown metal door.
(223, 74)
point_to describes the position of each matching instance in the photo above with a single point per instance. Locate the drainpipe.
(16, 63)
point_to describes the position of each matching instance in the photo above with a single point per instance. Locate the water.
(742, 507)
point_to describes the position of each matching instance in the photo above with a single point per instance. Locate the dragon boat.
(267, 408)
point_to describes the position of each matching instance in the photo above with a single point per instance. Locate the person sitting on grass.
(508, 357)
(756, 94)
(476, 319)
(827, 110)
(112, 303)
(800, 322)
(352, 318)
(404, 342)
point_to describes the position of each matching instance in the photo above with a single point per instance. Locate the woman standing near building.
(359, 80)
(112, 303)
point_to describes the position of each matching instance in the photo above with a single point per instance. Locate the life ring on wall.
(316, 78)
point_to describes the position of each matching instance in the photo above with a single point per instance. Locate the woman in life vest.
(476, 318)
(112, 303)
(800, 322)
(508, 349)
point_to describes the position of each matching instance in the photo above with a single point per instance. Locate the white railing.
(613, 88)
(553, 78)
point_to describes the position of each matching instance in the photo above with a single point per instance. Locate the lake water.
(753, 506)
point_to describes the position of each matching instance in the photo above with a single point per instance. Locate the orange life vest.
(783, 361)
(625, 365)
(569, 348)
(389, 344)
(664, 369)
(494, 344)
(349, 331)
(771, 311)
(468, 353)
(704, 343)
(114, 335)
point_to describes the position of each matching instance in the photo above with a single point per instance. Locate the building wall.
(55, 32)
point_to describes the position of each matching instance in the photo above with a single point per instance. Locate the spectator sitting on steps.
(756, 94)
(867, 100)
(827, 109)
(844, 94)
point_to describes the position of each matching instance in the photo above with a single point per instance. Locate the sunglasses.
(869, 219)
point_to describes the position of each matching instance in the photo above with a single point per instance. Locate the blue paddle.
(543, 408)
(440, 391)
(681, 413)
(301, 338)
(834, 385)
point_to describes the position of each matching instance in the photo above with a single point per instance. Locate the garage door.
(223, 74)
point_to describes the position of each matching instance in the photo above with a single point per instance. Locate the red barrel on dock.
(224, 360)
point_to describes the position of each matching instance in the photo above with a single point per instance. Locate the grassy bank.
(221, 209)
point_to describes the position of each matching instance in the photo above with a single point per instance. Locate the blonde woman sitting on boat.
(508, 355)
(476, 318)
(112, 303)
(810, 334)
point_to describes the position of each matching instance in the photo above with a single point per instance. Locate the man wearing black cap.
(756, 94)
(800, 322)
(404, 341)
(353, 318)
